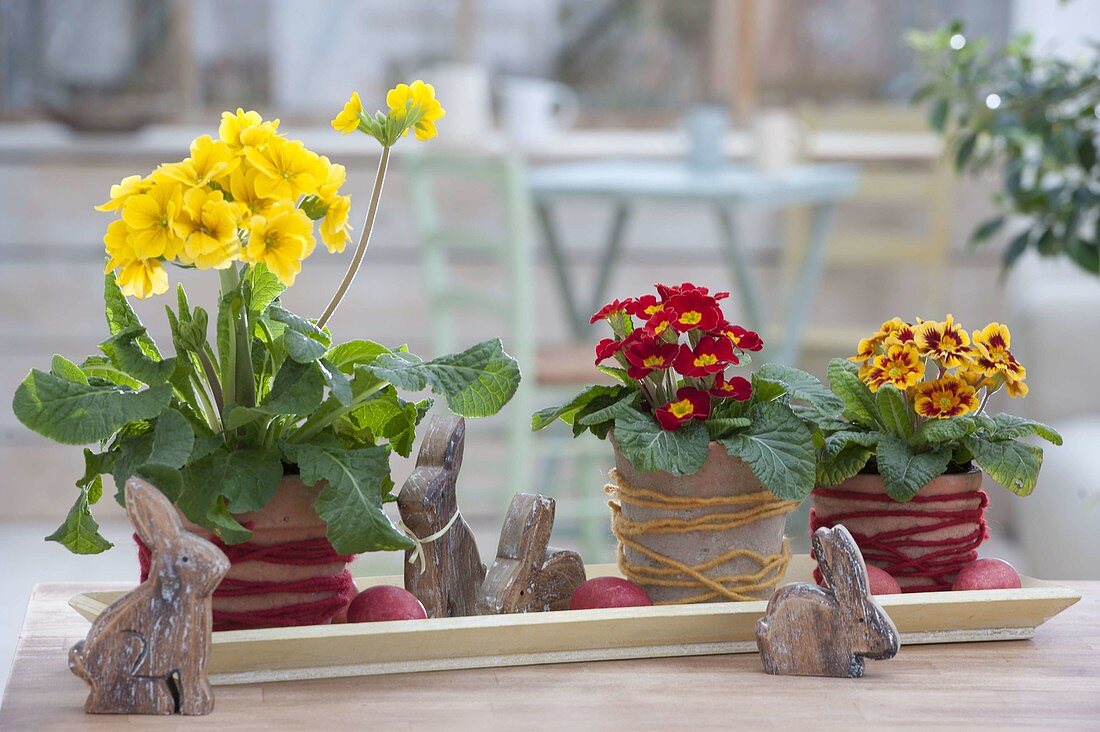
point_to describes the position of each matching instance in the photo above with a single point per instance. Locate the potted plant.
(267, 434)
(707, 463)
(901, 464)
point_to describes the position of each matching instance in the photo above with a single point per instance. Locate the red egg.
(882, 582)
(385, 602)
(608, 592)
(987, 574)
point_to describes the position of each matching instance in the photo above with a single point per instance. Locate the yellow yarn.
(674, 573)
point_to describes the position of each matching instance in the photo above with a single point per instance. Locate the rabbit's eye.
(861, 618)
(185, 560)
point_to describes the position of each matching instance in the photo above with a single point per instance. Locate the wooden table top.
(1052, 681)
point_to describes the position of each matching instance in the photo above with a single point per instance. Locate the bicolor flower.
(613, 308)
(741, 338)
(660, 321)
(992, 358)
(669, 291)
(894, 329)
(645, 306)
(694, 310)
(648, 355)
(607, 348)
(947, 396)
(737, 387)
(946, 342)
(901, 366)
(709, 356)
(689, 404)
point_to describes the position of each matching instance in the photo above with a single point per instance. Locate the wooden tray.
(323, 651)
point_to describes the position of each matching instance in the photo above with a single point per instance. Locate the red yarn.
(309, 552)
(883, 549)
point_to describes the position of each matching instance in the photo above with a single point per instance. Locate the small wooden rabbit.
(812, 631)
(146, 653)
(452, 573)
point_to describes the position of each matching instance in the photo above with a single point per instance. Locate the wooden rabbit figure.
(146, 653)
(813, 631)
(452, 572)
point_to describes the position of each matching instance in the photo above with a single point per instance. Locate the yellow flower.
(416, 106)
(116, 242)
(208, 227)
(901, 366)
(131, 185)
(242, 130)
(248, 203)
(946, 342)
(348, 120)
(993, 358)
(287, 169)
(1016, 389)
(335, 231)
(335, 176)
(894, 329)
(281, 241)
(150, 217)
(947, 396)
(142, 278)
(210, 159)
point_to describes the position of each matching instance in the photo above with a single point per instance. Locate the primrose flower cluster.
(252, 195)
(939, 366)
(680, 351)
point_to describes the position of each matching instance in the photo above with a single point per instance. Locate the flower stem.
(364, 239)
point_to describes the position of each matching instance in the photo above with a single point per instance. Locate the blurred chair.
(869, 247)
(551, 374)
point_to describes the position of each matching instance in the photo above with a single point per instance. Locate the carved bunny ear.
(844, 567)
(152, 514)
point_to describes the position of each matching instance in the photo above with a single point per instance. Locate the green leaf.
(247, 479)
(173, 440)
(986, 229)
(66, 369)
(100, 367)
(859, 402)
(121, 317)
(965, 151)
(387, 416)
(351, 501)
(938, 431)
(80, 532)
(347, 356)
(126, 354)
(763, 390)
(222, 522)
(476, 383)
(568, 412)
(938, 117)
(802, 386)
(77, 414)
(1015, 465)
(1009, 427)
(617, 373)
(298, 389)
(719, 427)
(844, 464)
(903, 471)
(779, 449)
(620, 405)
(840, 441)
(302, 349)
(165, 478)
(648, 447)
(894, 411)
(337, 381)
(298, 324)
(262, 287)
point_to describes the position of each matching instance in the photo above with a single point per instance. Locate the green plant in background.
(217, 425)
(1037, 117)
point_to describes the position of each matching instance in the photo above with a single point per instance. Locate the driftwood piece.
(452, 572)
(812, 631)
(146, 653)
(527, 575)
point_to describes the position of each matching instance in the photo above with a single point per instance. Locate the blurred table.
(1050, 682)
(625, 183)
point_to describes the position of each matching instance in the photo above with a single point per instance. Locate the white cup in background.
(463, 90)
(776, 140)
(534, 110)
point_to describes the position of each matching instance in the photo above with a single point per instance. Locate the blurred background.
(591, 148)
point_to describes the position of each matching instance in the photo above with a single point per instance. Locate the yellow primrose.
(243, 129)
(151, 218)
(416, 105)
(335, 230)
(246, 201)
(348, 120)
(131, 185)
(947, 396)
(946, 342)
(894, 329)
(287, 169)
(208, 227)
(901, 366)
(280, 241)
(210, 159)
(142, 278)
(335, 177)
(116, 242)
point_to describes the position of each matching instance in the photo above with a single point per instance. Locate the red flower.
(615, 306)
(694, 309)
(738, 388)
(607, 348)
(689, 404)
(659, 322)
(647, 355)
(710, 356)
(741, 338)
(645, 307)
(670, 291)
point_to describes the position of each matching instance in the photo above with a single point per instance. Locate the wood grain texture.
(813, 631)
(452, 573)
(528, 575)
(146, 653)
(1049, 682)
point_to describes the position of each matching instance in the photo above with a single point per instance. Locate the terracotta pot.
(923, 543)
(323, 586)
(721, 476)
